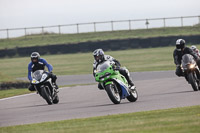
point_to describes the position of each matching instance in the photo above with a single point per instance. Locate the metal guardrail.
(111, 26)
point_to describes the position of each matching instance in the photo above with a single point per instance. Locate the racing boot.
(55, 85)
(100, 87)
(132, 86)
(126, 74)
(130, 82)
(31, 88)
(54, 81)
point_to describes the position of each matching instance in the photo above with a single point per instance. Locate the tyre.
(46, 94)
(133, 95)
(193, 81)
(113, 93)
(56, 99)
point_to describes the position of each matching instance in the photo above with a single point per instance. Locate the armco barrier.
(105, 45)
(17, 85)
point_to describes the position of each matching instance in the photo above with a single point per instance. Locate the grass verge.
(49, 39)
(13, 92)
(177, 120)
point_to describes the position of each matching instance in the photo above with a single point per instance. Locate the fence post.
(112, 25)
(25, 32)
(42, 31)
(59, 30)
(181, 21)
(7, 33)
(147, 23)
(199, 19)
(77, 28)
(94, 27)
(164, 22)
(129, 24)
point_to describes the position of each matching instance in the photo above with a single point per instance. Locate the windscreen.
(103, 66)
(38, 74)
(187, 59)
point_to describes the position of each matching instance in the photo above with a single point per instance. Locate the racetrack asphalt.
(156, 90)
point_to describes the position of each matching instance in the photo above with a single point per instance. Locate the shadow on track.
(106, 105)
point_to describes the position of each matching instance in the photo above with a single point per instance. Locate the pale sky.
(33, 13)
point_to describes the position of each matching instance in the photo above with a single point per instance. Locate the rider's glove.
(115, 67)
(178, 66)
(30, 82)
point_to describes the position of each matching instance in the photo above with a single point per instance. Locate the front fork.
(196, 75)
(50, 86)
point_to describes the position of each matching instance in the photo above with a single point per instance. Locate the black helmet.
(35, 56)
(98, 55)
(180, 44)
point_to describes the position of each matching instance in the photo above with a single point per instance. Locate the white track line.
(23, 95)
(16, 96)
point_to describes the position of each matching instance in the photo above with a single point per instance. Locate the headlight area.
(191, 66)
(106, 75)
(44, 76)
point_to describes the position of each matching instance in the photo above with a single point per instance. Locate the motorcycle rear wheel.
(56, 99)
(133, 96)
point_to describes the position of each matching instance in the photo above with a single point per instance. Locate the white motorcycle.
(43, 85)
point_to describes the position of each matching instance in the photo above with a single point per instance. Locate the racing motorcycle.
(114, 83)
(191, 71)
(44, 87)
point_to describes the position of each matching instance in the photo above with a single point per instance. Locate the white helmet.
(98, 55)
(193, 47)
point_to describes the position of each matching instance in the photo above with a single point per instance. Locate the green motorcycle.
(114, 83)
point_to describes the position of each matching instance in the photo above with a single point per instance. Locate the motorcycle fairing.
(124, 88)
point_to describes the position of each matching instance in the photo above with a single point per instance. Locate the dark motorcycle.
(191, 71)
(43, 85)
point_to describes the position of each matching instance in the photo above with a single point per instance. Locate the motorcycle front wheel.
(193, 81)
(46, 94)
(113, 93)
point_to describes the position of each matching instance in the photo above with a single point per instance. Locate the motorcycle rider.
(99, 57)
(196, 51)
(38, 63)
(179, 52)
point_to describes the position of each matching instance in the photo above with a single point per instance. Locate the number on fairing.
(44, 76)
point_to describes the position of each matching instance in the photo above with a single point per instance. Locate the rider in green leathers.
(100, 57)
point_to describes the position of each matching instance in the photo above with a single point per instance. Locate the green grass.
(178, 120)
(13, 92)
(49, 39)
(151, 59)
